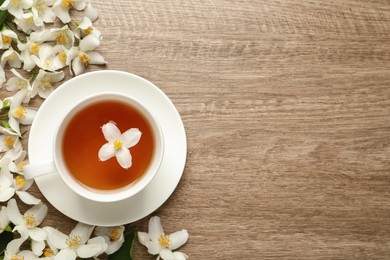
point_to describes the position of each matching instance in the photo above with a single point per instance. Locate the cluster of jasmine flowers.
(35, 50)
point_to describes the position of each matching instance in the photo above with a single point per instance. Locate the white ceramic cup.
(57, 165)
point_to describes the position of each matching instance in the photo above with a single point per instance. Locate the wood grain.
(286, 106)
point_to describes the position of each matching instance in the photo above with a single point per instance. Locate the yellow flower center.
(73, 241)
(29, 221)
(45, 83)
(21, 84)
(15, 3)
(117, 145)
(115, 234)
(84, 58)
(47, 63)
(30, 20)
(164, 241)
(20, 112)
(21, 165)
(61, 38)
(17, 257)
(62, 56)
(41, 5)
(34, 49)
(88, 30)
(9, 141)
(67, 3)
(48, 252)
(6, 39)
(20, 181)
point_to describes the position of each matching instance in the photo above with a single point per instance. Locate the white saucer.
(149, 199)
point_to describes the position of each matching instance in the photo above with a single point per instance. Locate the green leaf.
(126, 251)
(5, 238)
(3, 15)
(5, 124)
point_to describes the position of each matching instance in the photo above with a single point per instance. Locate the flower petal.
(78, 67)
(178, 239)
(123, 157)
(106, 152)
(37, 234)
(111, 132)
(4, 221)
(91, 12)
(180, 256)
(82, 230)
(2, 76)
(6, 193)
(153, 248)
(27, 198)
(37, 247)
(155, 228)
(56, 238)
(99, 240)
(79, 5)
(143, 237)
(114, 246)
(167, 254)
(96, 58)
(39, 211)
(14, 245)
(89, 43)
(13, 212)
(86, 251)
(66, 254)
(61, 12)
(28, 117)
(14, 124)
(131, 137)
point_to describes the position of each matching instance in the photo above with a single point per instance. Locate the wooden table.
(286, 106)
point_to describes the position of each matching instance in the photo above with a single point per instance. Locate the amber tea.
(83, 138)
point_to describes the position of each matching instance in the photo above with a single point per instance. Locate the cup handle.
(34, 170)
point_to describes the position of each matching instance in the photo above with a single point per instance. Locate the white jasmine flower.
(77, 244)
(113, 235)
(42, 84)
(42, 9)
(61, 8)
(18, 114)
(52, 58)
(4, 221)
(6, 190)
(29, 22)
(21, 185)
(118, 144)
(91, 12)
(85, 55)
(7, 36)
(20, 83)
(29, 222)
(11, 146)
(159, 243)
(17, 165)
(86, 28)
(27, 50)
(15, 7)
(12, 57)
(13, 252)
(62, 36)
